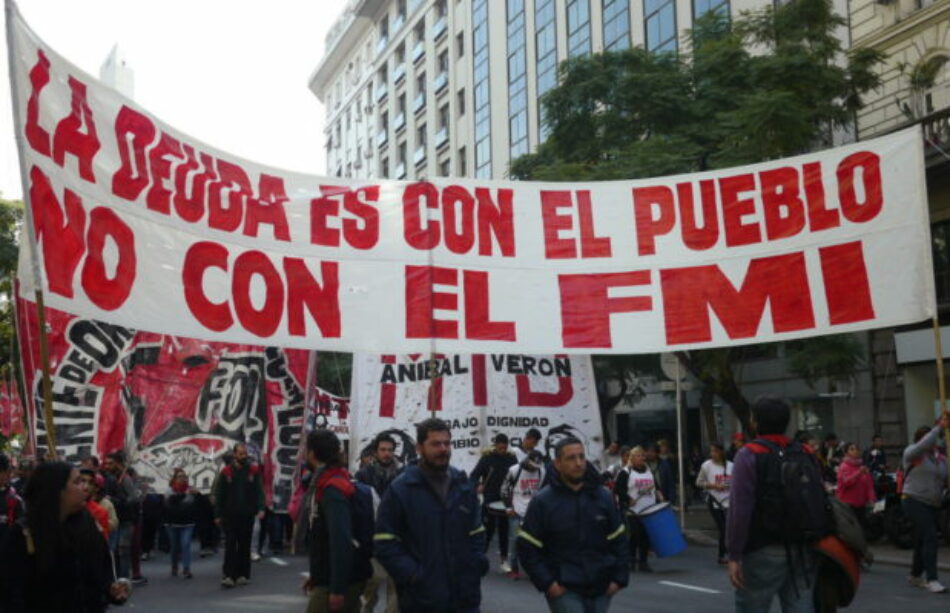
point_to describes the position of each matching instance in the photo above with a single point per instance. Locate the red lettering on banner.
(158, 197)
(69, 137)
(527, 397)
(592, 246)
(422, 300)
(779, 281)
(783, 208)
(696, 236)
(361, 232)
(458, 214)
(190, 205)
(495, 221)
(108, 294)
(479, 380)
(232, 179)
(870, 166)
(586, 306)
(734, 208)
(290, 292)
(387, 393)
(556, 247)
(132, 176)
(36, 135)
(819, 217)
(60, 233)
(268, 209)
(645, 199)
(847, 289)
(419, 236)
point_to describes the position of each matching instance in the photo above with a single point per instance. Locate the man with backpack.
(341, 528)
(778, 510)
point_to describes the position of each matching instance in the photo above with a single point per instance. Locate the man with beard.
(429, 535)
(238, 500)
(128, 506)
(379, 474)
(572, 542)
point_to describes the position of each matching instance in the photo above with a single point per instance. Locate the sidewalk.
(701, 530)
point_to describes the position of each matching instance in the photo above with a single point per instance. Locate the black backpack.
(792, 506)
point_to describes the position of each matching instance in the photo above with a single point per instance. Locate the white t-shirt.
(523, 485)
(712, 473)
(641, 487)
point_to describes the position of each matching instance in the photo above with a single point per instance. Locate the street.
(690, 582)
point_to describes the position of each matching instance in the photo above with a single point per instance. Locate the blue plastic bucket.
(665, 536)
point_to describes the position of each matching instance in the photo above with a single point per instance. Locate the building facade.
(915, 35)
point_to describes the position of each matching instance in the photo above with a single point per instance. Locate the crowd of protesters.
(571, 525)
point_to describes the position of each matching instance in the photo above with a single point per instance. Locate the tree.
(11, 215)
(632, 114)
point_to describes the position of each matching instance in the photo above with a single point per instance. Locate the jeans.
(772, 571)
(925, 519)
(123, 549)
(371, 591)
(719, 516)
(572, 602)
(491, 520)
(639, 540)
(180, 537)
(237, 545)
(514, 522)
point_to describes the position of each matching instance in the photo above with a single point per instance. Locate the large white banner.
(479, 396)
(140, 225)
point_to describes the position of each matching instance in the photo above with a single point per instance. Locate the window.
(545, 25)
(462, 162)
(421, 135)
(517, 81)
(401, 9)
(384, 168)
(940, 237)
(460, 44)
(420, 31)
(701, 7)
(401, 153)
(348, 118)
(659, 18)
(441, 9)
(384, 121)
(482, 96)
(382, 31)
(616, 25)
(444, 61)
(399, 57)
(460, 102)
(445, 168)
(443, 116)
(578, 28)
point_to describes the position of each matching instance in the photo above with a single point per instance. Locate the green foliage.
(767, 85)
(11, 215)
(833, 357)
(333, 372)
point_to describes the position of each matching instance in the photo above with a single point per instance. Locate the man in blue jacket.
(572, 542)
(429, 534)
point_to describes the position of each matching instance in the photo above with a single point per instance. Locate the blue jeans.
(926, 541)
(514, 523)
(572, 602)
(180, 537)
(771, 572)
(123, 548)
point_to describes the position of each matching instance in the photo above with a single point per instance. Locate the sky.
(232, 73)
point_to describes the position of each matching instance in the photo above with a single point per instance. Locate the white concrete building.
(117, 74)
(424, 88)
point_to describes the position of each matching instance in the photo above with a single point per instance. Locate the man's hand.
(556, 590)
(613, 588)
(335, 602)
(735, 575)
(510, 512)
(945, 420)
(260, 515)
(307, 586)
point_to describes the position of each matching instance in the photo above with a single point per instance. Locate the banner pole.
(679, 446)
(12, 15)
(941, 385)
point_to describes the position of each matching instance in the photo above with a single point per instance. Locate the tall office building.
(117, 74)
(425, 88)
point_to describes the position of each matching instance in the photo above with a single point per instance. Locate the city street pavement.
(689, 582)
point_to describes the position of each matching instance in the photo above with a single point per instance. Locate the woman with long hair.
(714, 477)
(54, 559)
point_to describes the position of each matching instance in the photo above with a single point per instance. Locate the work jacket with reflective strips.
(576, 538)
(433, 550)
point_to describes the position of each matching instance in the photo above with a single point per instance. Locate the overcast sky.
(232, 73)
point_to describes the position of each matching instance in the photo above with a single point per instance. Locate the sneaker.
(227, 582)
(242, 581)
(916, 581)
(255, 557)
(139, 581)
(505, 567)
(934, 587)
(187, 574)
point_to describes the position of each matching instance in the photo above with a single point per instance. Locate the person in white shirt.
(714, 477)
(637, 492)
(522, 482)
(528, 443)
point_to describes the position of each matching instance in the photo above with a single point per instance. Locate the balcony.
(381, 44)
(441, 82)
(419, 103)
(400, 171)
(381, 92)
(439, 29)
(382, 137)
(418, 52)
(419, 156)
(399, 123)
(936, 133)
(399, 73)
(442, 137)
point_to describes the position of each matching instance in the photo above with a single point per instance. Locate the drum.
(665, 536)
(497, 508)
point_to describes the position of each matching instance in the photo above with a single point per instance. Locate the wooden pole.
(47, 382)
(941, 386)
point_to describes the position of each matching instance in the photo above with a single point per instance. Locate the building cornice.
(360, 14)
(888, 35)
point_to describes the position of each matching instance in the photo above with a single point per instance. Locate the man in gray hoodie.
(925, 477)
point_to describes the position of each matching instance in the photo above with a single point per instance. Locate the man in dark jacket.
(379, 473)
(489, 474)
(572, 542)
(429, 535)
(238, 499)
(127, 498)
(338, 572)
